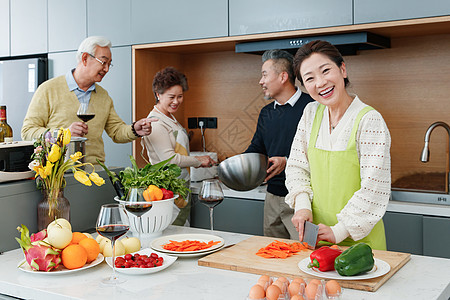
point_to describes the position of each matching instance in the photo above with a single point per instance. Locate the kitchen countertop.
(421, 278)
(259, 193)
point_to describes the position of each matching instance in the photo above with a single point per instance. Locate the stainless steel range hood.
(347, 43)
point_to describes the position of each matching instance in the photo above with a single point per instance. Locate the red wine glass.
(85, 112)
(112, 223)
(136, 204)
(211, 195)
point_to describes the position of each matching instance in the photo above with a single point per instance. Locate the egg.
(297, 297)
(299, 280)
(264, 281)
(316, 281)
(283, 285)
(273, 292)
(256, 292)
(294, 289)
(332, 288)
(311, 290)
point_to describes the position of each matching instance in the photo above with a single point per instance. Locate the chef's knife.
(310, 234)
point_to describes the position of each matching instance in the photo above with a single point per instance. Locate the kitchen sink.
(420, 197)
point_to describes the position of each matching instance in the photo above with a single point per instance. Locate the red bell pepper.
(323, 258)
(167, 194)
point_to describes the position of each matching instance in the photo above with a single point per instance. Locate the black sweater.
(274, 135)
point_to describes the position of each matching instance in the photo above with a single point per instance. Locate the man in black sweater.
(275, 131)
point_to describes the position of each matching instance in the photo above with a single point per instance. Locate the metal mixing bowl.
(243, 172)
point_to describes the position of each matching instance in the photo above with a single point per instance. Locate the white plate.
(158, 243)
(196, 254)
(381, 267)
(168, 260)
(61, 269)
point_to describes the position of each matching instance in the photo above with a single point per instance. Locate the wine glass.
(136, 204)
(211, 195)
(85, 112)
(112, 223)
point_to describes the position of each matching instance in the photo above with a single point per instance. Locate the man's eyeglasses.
(103, 63)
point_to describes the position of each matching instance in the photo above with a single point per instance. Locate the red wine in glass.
(113, 232)
(138, 210)
(86, 117)
(211, 201)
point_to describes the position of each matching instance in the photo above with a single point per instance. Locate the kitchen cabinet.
(172, 20)
(404, 232)
(233, 215)
(436, 236)
(61, 62)
(367, 11)
(118, 84)
(28, 27)
(110, 18)
(66, 24)
(4, 28)
(417, 234)
(259, 16)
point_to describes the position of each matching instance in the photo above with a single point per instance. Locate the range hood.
(347, 43)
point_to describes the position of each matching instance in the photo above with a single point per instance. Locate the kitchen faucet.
(426, 151)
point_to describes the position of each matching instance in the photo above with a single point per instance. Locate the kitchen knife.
(310, 234)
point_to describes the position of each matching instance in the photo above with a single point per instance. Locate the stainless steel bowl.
(243, 172)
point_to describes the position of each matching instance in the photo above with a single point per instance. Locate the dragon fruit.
(39, 236)
(40, 255)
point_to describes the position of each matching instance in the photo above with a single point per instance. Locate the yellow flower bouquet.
(50, 163)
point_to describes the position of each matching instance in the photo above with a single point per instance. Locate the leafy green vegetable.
(162, 174)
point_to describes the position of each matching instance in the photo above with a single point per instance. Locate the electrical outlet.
(208, 122)
(192, 123)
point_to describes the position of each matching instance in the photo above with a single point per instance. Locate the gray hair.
(282, 60)
(90, 43)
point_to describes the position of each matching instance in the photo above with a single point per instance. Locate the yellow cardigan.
(53, 106)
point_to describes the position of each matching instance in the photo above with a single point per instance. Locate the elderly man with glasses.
(55, 103)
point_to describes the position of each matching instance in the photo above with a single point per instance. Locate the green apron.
(335, 177)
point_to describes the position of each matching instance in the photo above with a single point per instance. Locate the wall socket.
(208, 122)
(193, 123)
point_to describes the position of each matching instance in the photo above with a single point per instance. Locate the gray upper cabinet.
(118, 84)
(28, 27)
(4, 28)
(66, 24)
(260, 16)
(368, 11)
(172, 20)
(111, 19)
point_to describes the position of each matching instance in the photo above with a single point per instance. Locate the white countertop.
(259, 193)
(421, 278)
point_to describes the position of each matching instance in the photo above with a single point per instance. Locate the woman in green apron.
(338, 172)
(168, 137)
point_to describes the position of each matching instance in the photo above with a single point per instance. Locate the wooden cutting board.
(242, 258)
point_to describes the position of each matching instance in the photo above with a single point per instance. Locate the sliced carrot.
(188, 245)
(279, 249)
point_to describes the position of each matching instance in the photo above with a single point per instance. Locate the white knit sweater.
(367, 205)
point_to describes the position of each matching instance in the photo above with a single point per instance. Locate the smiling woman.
(338, 173)
(169, 138)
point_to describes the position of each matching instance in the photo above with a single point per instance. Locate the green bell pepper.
(355, 260)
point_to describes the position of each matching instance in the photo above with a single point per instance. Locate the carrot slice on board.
(278, 249)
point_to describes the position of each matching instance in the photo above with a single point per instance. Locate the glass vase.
(52, 206)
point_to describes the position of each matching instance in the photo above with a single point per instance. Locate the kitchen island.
(422, 277)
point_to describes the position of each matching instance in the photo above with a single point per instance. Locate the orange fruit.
(77, 237)
(73, 257)
(92, 248)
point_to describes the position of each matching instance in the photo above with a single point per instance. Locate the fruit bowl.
(154, 221)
